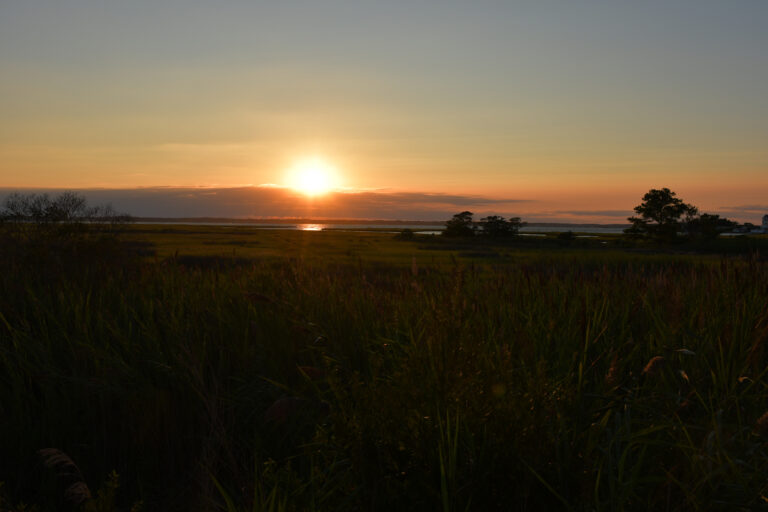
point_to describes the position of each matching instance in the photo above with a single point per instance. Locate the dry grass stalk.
(612, 377)
(312, 372)
(654, 366)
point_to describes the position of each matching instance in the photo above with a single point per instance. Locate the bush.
(460, 225)
(39, 229)
(495, 226)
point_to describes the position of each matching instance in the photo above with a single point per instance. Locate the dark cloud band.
(270, 201)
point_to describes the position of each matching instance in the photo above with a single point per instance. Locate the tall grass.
(297, 385)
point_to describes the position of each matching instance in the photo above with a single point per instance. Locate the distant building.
(765, 222)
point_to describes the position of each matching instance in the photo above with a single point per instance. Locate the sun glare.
(312, 176)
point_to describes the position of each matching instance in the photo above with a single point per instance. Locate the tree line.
(66, 209)
(661, 216)
(493, 226)
(66, 220)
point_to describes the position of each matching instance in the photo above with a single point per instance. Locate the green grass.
(351, 371)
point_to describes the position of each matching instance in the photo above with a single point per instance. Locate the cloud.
(757, 209)
(276, 202)
(595, 213)
(744, 213)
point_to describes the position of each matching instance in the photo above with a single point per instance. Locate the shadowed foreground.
(589, 383)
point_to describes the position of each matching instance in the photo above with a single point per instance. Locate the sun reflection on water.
(311, 227)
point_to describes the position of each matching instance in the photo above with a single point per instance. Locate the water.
(595, 230)
(437, 229)
(424, 229)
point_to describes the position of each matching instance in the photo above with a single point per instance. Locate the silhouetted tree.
(660, 215)
(663, 216)
(60, 233)
(460, 225)
(707, 226)
(66, 213)
(495, 226)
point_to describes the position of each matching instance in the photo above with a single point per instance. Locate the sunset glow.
(547, 110)
(312, 176)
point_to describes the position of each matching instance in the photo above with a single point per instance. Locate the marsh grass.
(523, 384)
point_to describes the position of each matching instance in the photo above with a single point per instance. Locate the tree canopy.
(662, 215)
(492, 226)
(460, 225)
(708, 226)
(495, 226)
(65, 211)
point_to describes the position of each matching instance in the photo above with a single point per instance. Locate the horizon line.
(310, 220)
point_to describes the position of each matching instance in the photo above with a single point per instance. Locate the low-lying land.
(240, 369)
(373, 245)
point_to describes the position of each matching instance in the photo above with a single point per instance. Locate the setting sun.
(312, 176)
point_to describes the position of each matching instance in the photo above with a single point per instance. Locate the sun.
(312, 176)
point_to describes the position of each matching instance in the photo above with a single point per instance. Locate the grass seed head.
(654, 366)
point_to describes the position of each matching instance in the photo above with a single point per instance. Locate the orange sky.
(567, 106)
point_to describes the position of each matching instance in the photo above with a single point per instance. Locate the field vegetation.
(204, 368)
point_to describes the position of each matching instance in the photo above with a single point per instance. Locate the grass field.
(240, 369)
(376, 247)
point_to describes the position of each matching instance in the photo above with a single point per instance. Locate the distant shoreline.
(281, 221)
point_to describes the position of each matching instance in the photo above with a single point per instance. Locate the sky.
(564, 110)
